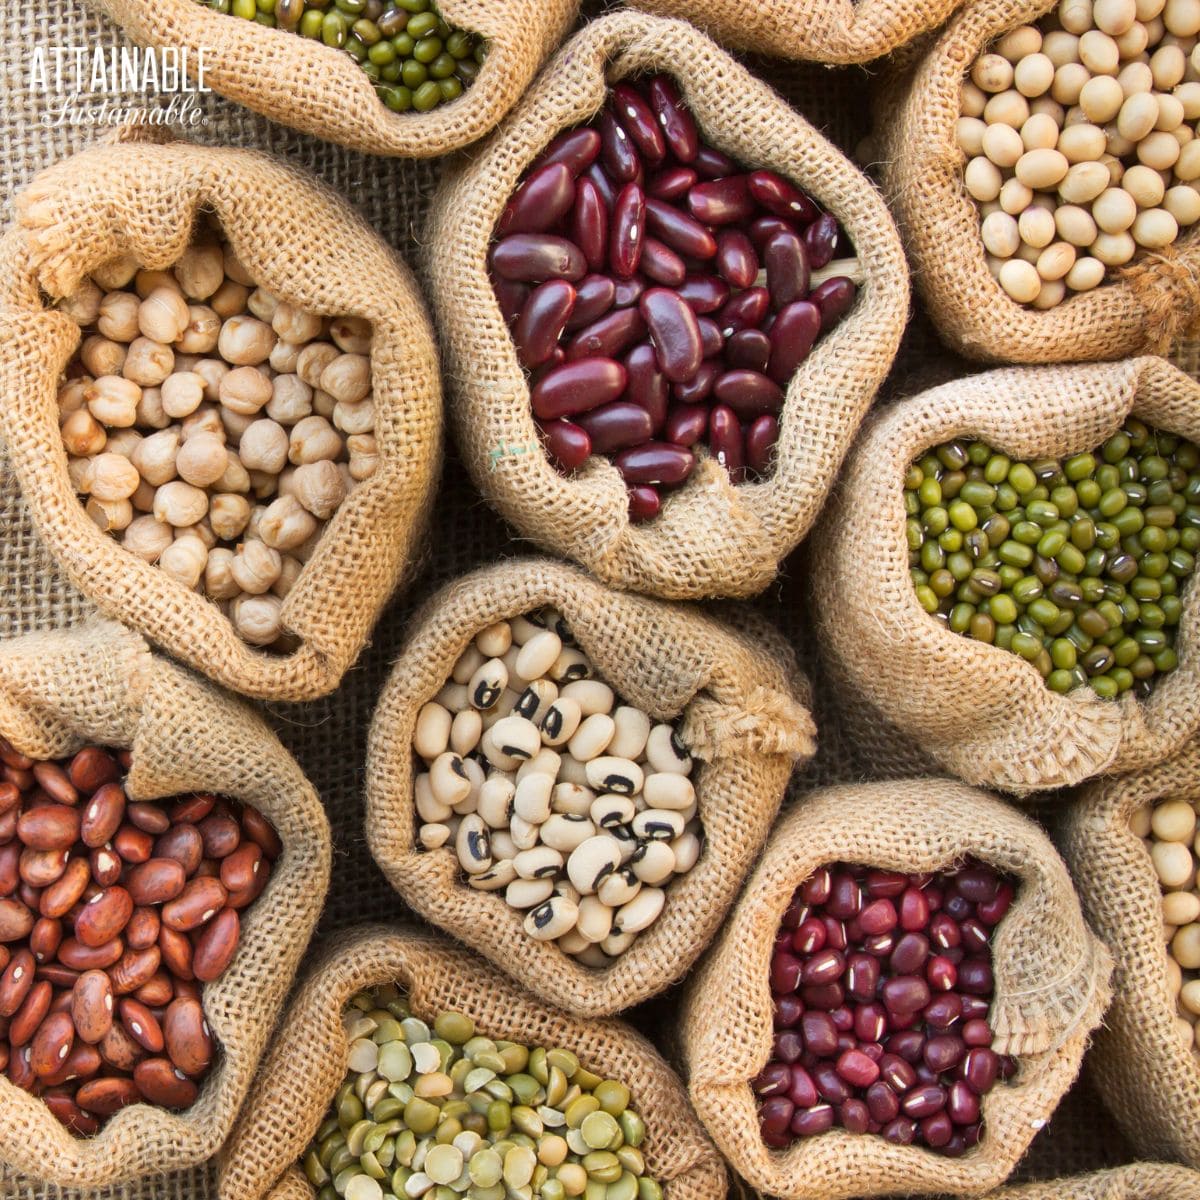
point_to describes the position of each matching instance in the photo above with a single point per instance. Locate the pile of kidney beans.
(661, 296)
(882, 984)
(113, 914)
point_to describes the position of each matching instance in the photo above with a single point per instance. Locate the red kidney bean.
(703, 293)
(638, 121)
(786, 261)
(92, 1006)
(239, 870)
(699, 388)
(577, 387)
(628, 291)
(682, 232)
(609, 337)
(628, 231)
(835, 297)
(184, 844)
(725, 440)
(540, 202)
(55, 782)
(589, 224)
(616, 426)
(712, 164)
(542, 321)
(31, 1013)
(725, 201)
(536, 257)
(749, 348)
(617, 152)
(780, 197)
(657, 463)
(686, 424)
(576, 149)
(712, 340)
(148, 817)
(132, 844)
(16, 921)
(661, 264)
(736, 260)
(795, 330)
(188, 1041)
(748, 393)
(644, 503)
(744, 311)
(821, 239)
(594, 296)
(141, 1024)
(52, 1044)
(566, 443)
(107, 1096)
(604, 185)
(679, 129)
(510, 296)
(670, 183)
(674, 332)
(102, 815)
(647, 385)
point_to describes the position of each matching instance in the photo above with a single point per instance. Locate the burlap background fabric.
(737, 713)
(314, 88)
(1153, 301)
(712, 538)
(1138, 1181)
(980, 711)
(303, 244)
(308, 1062)
(101, 684)
(829, 31)
(1051, 988)
(1150, 1082)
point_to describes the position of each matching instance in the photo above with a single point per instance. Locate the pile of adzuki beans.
(661, 296)
(882, 984)
(113, 914)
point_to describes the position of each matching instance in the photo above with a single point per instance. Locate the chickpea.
(79, 471)
(293, 324)
(148, 363)
(182, 393)
(355, 418)
(319, 487)
(163, 316)
(288, 574)
(228, 513)
(245, 341)
(180, 504)
(245, 390)
(109, 516)
(219, 582)
(203, 328)
(82, 434)
(147, 538)
(364, 456)
(145, 281)
(123, 442)
(286, 524)
(312, 361)
(143, 499)
(236, 477)
(235, 424)
(256, 566)
(258, 619)
(116, 273)
(200, 270)
(313, 439)
(206, 419)
(235, 268)
(229, 299)
(72, 396)
(351, 334)
(264, 447)
(185, 559)
(202, 460)
(291, 399)
(118, 317)
(83, 304)
(113, 477)
(284, 357)
(101, 356)
(113, 401)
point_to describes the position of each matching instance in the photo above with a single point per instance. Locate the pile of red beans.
(113, 914)
(882, 984)
(661, 296)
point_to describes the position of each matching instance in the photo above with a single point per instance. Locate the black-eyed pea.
(476, 777)
(433, 836)
(595, 919)
(611, 810)
(472, 845)
(497, 877)
(686, 849)
(452, 695)
(467, 663)
(654, 862)
(540, 862)
(592, 861)
(632, 728)
(591, 738)
(641, 912)
(560, 721)
(491, 751)
(666, 752)
(565, 832)
(664, 789)
(592, 696)
(546, 761)
(466, 728)
(486, 683)
(516, 737)
(525, 627)
(537, 655)
(657, 824)
(528, 893)
(570, 666)
(617, 943)
(531, 801)
(549, 920)
(495, 801)
(494, 640)
(429, 808)
(572, 797)
(524, 834)
(611, 774)
(620, 887)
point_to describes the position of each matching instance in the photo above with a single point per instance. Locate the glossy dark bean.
(617, 152)
(577, 387)
(712, 340)
(975, 977)
(831, 1087)
(914, 910)
(679, 230)
(900, 1132)
(826, 966)
(644, 503)
(943, 1053)
(542, 321)
(870, 1022)
(781, 197)
(788, 1011)
(657, 463)
(819, 1032)
(793, 334)
(511, 297)
(910, 954)
(699, 388)
(923, 1101)
(775, 1114)
(674, 332)
(536, 257)
(980, 1068)
(905, 993)
(774, 1080)
(670, 183)
(750, 349)
(857, 1069)
(821, 240)
(748, 393)
(810, 1122)
(724, 201)
(835, 297)
(589, 224)
(609, 337)
(540, 202)
(628, 291)
(594, 296)
(726, 442)
(647, 385)
(746, 310)
(686, 424)
(763, 229)
(712, 164)
(736, 260)
(567, 443)
(862, 976)
(703, 293)
(616, 426)
(786, 262)
(577, 149)
(628, 230)
(679, 130)
(639, 123)
(661, 264)
(604, 185)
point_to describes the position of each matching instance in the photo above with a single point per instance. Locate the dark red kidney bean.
(660, 263)
(647, 385)
(644, 503)
(699, 388)
(589, 224)
(542, 321)
(670, 183)
(835, 297)
(725, 441)
(682, 232)
(576, 149)
(510, 296)
(724, 201)
(686, 424)
(712, 340)
(703, 293)
(658, 463)
(761, 435)
(638, 121)
(628, 291)
(608, 337)
(628, 230)
(809, 1122)
(161, 1083)
(821, 240)
(566, 443)
(781, 197)
(536, 257)
(788, 272)
(618, 154)
(679, 130)
(594, 296)
(710, 163)
(748, 393)
(615, 426)
(736, 260)
(675, 334)
(763, 229)
(540, 202)
(577, 387)
(749, 348)
(746, 310)
(604, 185)
(793, 335)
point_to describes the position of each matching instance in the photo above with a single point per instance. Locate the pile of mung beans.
(445, 1112)
(1080, 138)
(1169, 828)
(882, 985)
(577, 806)
(661, 295)
(413, 57)
(214, 429)
(1078, 566)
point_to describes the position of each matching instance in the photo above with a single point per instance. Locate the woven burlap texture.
(303, 244)
(1148, 1080)
(712, 538)
(1138, 1181)
(1148, 305)
(737, 712)
(100, 684)
(984, 713)
(828, 31)
(312, 87)
(308, 1060)
(1051, 988)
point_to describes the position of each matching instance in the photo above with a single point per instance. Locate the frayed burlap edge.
(738, 715)
(712, 538)
(308, 1061)
(304, 244)
(1051, 988)
(1136, 1181)
(99, 683)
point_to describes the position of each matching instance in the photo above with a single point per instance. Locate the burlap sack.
(712, 538)
(303, 83)
(1137, 1181)
(100, 683)
(1150, 303)
(982, 712)
(1149, 1082)
(301, 243)
(1051, 988)
(738, 714)
(828, 31)
(307, 1062)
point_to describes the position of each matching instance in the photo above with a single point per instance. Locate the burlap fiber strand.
(712, 538)
(303, 244)
(1147, 1078)
(828, 31)
(1051, 988)
(308, 1061)
(319, 90)
(1144, 309)
(1138, 1181)
(738, 714)
(980, 711)
(100, 684)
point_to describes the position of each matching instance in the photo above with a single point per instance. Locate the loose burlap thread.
(303, 244)
(1147, 1079)
(320, 90)
(1051, 988)
(737, 712)
(100, 684)
(712, 538)
(1137, 1181)
(982, 712)
(307, 1063)
(1143, 309)
(828, 31)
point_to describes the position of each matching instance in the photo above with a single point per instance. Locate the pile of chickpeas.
(213, 428)
(1080, 139)
(1169, 829)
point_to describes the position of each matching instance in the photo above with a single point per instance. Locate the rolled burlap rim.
(307, 1063)
(982, 712)
(302, 243)
(1144, 308)
(712, 538)
(1136, 1181)
(739, 716)
(317, 89)
(1051, 987)
(1149, 1082)
(100, 684)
